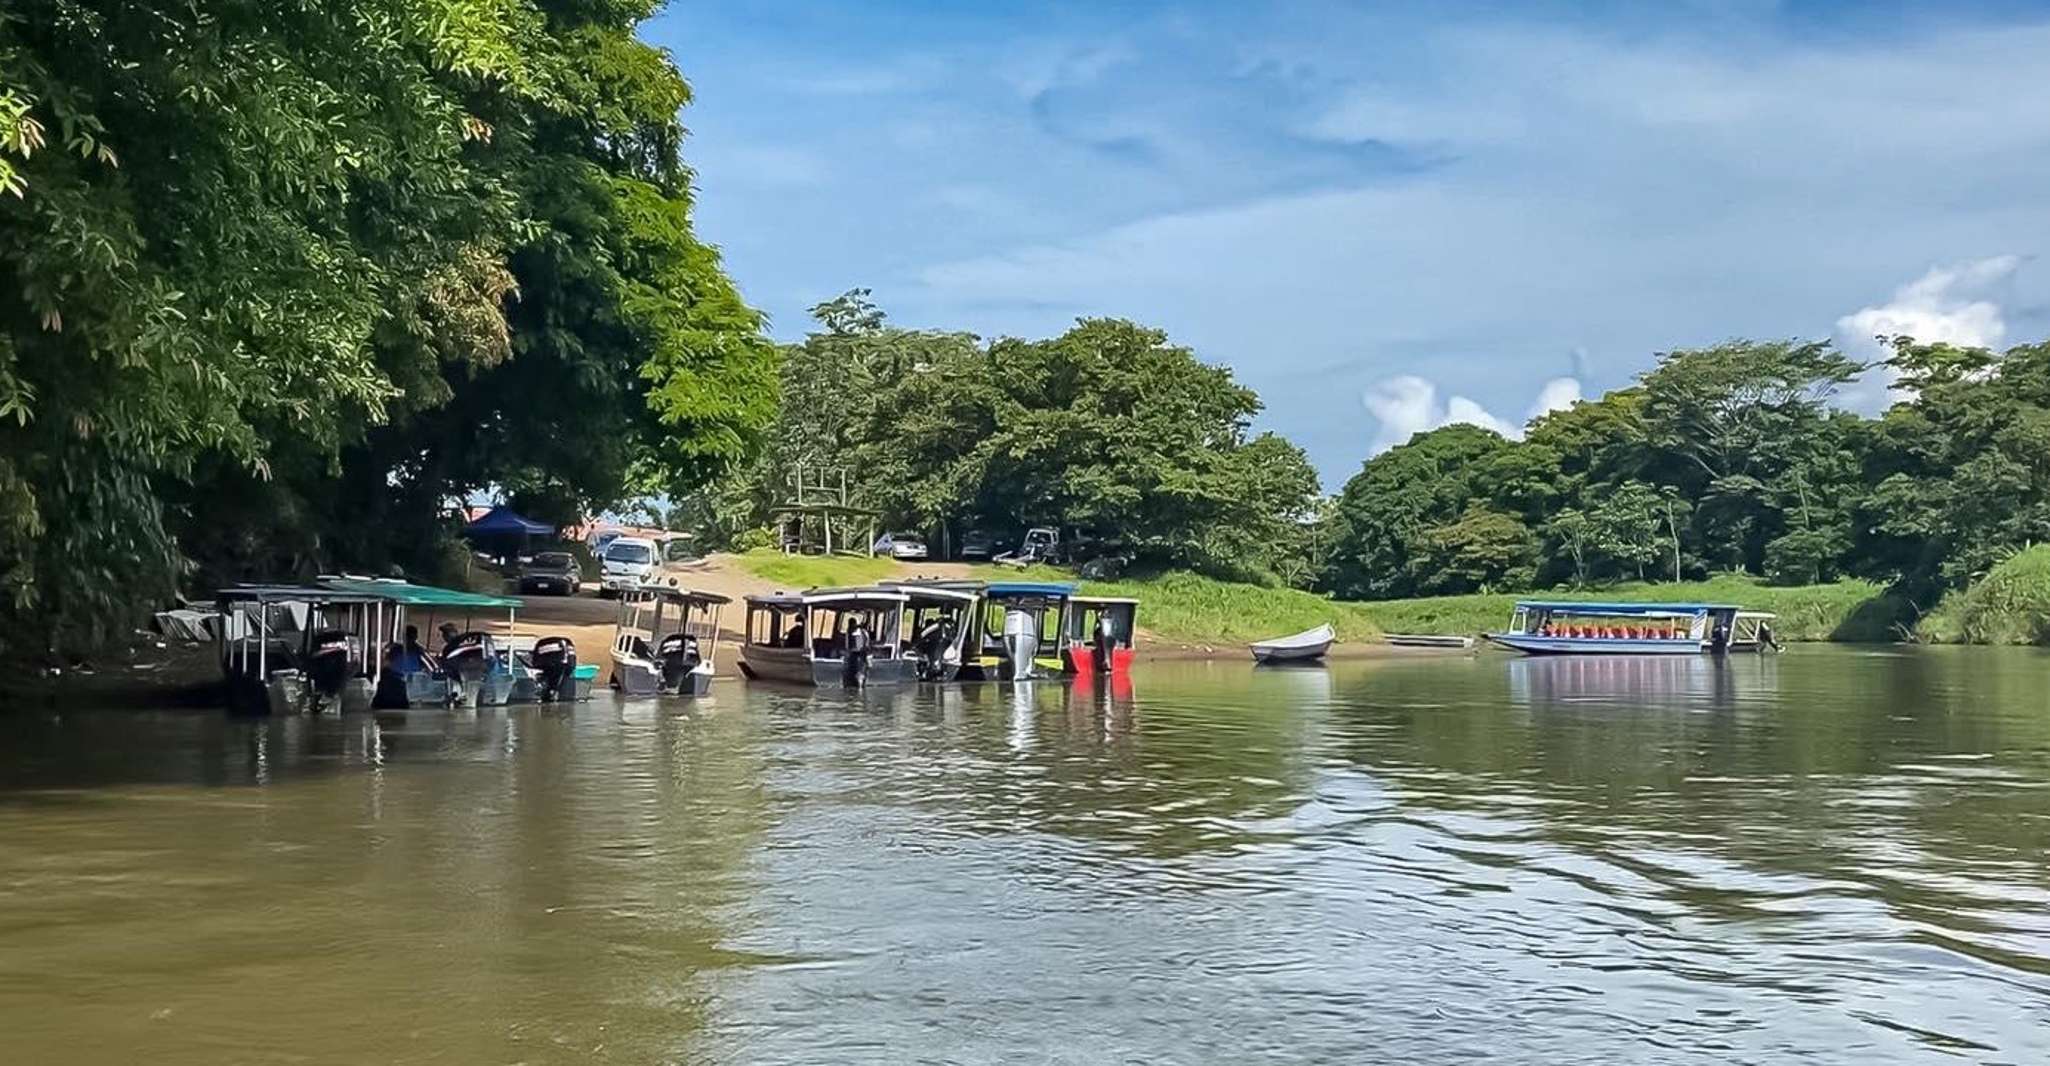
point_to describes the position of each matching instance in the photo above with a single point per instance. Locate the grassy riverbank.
(2010, 605)
(1188, 608)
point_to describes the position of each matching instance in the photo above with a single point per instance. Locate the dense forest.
(1728, 458)
(285, 283)
(283, 279)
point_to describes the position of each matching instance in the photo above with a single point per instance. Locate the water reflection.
(1641, 680)
(1828, 856)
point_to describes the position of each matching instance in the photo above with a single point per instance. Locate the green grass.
(798, 572)
(2010, 605)
(1191, 609)
(1843, 610)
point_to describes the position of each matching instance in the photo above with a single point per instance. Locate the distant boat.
(1428, 640)
(1550, 627)
(1304, 646)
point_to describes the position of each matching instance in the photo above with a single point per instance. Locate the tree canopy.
(286, 278)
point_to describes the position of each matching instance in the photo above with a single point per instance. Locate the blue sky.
(1383, 217)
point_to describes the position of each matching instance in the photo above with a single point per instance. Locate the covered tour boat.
(1023, 631)
(1100, 633)
(1548, 627)
(666, 642)
(340, 642)
(942, 626)
(829, 636)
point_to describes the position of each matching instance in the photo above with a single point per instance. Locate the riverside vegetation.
(288, 283)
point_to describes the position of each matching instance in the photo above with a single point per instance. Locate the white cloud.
(1407, 405)
(1948, 305)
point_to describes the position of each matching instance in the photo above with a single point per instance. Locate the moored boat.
(1306, 646)
(1427, 640)
(1100, 632)
(666, 642)
(830, 636)
(1023, 631)
(1549, 627)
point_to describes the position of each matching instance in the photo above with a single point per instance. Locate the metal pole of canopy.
(263, 636)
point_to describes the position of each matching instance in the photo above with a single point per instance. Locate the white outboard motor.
(1021, 643)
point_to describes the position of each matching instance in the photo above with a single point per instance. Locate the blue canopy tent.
(504, 532)
(504, 521)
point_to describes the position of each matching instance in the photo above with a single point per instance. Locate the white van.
(626, 564)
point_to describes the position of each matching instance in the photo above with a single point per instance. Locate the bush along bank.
(2009, 605)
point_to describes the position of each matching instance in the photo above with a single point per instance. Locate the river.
(1834, 856)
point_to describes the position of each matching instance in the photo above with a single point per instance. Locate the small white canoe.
(1304, 646)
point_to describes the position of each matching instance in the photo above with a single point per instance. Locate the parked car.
(555, 572)
(626, 564)
(901, 546)
(978, 544)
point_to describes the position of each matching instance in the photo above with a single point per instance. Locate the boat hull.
(796, 666)
(1530, 644)
(1309, 645)
(1291, 655)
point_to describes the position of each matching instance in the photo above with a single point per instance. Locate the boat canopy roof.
(675, 594)
(855, 594)
(1103, 601)
(282, 593)
(1623, 610)
(937, 593)
(405, 592)
(1030, 588)
(789, 601)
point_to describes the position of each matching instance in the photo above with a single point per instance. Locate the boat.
(1100, 631)
(1306, 646)
(1427, 640)
(942, 623)
(1022, 631)
(804, 638)
(290, 647)
(666, 641)
(1555, 627)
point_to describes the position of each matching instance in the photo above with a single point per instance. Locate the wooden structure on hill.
(804, 520)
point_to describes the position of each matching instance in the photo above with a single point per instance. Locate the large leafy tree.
(286, 266)
(1107, 430)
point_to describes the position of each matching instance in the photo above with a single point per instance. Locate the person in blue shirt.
(411, 657)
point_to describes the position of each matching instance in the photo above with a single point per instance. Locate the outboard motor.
(932, 647)
(677, 656)
(555, 663)
(467, 659)
(1106, 641)
(1021, 643)
(854, 662)
(328, 665)
(1719, 639)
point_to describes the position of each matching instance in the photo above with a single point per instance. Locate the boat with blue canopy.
(1566, 627)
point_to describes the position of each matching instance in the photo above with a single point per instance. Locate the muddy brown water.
(1835, 856)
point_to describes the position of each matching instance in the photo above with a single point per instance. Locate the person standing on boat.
(409, 656)
(854, 653)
